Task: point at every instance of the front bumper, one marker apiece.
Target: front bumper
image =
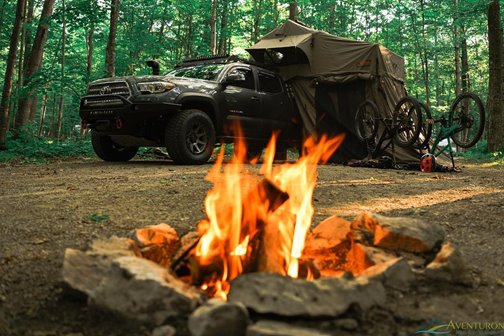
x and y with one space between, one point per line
114 114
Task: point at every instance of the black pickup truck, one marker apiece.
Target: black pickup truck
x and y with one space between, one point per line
189 109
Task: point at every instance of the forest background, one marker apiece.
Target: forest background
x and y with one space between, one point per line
51 49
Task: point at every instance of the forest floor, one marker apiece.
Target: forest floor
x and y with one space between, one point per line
46 208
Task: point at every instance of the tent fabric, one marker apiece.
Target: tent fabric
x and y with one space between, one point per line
325 72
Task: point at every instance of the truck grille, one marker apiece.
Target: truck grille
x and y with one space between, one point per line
103 94
117 88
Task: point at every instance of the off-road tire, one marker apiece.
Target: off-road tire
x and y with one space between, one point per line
108 150
190 137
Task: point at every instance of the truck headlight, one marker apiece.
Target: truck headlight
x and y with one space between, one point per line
155 87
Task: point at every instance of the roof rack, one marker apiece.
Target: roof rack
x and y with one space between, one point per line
217 59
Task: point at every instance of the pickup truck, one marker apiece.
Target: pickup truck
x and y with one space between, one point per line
189 110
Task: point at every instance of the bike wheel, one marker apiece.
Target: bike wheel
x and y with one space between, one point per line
426 129
407 121
468 113
366 120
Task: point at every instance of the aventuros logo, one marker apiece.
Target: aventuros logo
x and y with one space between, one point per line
462 328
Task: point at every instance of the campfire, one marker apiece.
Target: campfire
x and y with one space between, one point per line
256 224
258 247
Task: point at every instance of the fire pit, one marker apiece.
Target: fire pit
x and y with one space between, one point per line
257 253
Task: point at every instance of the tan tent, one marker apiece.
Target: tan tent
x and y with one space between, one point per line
331 76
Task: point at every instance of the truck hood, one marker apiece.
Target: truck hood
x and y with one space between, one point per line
179 81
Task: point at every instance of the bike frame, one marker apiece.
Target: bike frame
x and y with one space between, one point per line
444 132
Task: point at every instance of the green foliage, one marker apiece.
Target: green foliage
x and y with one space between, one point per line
97 218
480 153
29 148
171 30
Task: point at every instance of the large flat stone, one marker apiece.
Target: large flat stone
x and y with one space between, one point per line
217 318
395 273
328 234
274 328
158 243
401 233
449 266
84 271
327 297
141 289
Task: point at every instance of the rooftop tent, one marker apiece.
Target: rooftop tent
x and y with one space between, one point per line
331 76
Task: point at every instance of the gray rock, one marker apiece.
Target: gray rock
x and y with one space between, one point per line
326 297
216 318
84 271
449 266
273 328
402 233
347 324
395 273
166 330
141 289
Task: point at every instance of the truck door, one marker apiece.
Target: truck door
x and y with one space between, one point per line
275 113
242 100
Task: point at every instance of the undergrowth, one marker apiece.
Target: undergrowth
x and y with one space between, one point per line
28 148
480 153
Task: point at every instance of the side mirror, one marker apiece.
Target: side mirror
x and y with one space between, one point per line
235 78
154 66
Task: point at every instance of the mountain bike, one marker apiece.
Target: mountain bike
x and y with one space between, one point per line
464 126
379 133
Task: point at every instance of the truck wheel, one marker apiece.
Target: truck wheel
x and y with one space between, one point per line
108 150
281 155
190 137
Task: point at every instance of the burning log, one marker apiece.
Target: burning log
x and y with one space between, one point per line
265 192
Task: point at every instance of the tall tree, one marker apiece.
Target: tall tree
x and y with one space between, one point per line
111 44
293 10
27 103
223 34
495 91
62 84
456 44
9 72
213 28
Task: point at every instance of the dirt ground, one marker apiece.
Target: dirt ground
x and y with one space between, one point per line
49 207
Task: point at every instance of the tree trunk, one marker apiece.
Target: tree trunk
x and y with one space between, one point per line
43 111
293 10
28 41
188 41
257 18
332 16
2 15
22 46
436 70
495 95
89 59
62 87
223 29
425 59
456 40
465 80
213 28
34 64
110 57
9 72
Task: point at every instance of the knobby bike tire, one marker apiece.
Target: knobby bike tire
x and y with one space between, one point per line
406 123
366 120
467 120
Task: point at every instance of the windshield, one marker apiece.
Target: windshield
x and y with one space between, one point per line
208 72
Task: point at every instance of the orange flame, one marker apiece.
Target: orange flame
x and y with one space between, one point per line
241 222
